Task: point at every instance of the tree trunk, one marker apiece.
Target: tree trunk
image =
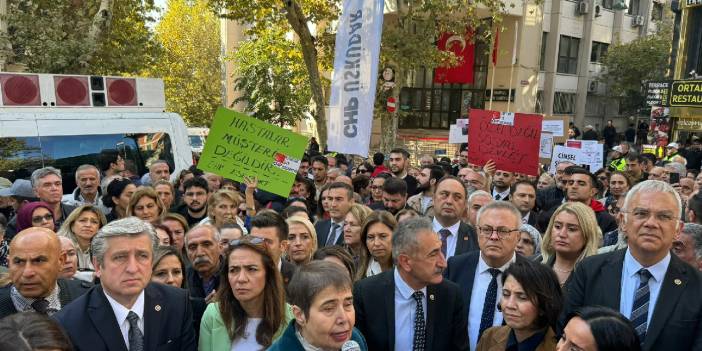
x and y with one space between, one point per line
298 21
101 21
389 121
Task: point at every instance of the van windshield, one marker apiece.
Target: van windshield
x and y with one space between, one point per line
195 140
20 156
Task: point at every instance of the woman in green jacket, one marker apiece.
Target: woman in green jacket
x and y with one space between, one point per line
251 312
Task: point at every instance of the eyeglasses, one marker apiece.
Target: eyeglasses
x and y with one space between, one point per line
45 218
247 240
362 170
643 215
502 232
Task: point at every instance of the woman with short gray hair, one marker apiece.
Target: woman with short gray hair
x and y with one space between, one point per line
321 297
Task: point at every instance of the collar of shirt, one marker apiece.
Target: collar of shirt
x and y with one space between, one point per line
453 229
503 195
525 218
23 304
483 266
405 290
632 267
121 311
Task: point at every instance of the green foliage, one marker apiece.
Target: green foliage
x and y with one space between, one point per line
629 65
190 62
272 78
62 43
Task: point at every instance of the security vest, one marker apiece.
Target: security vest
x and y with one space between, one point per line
618 164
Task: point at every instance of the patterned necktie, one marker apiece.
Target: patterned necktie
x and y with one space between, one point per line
639 311
497 197
332 235
490 301
41 305
444 245
419 323
136 338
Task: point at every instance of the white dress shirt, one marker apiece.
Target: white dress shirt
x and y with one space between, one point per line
503 195
631 281
339 231
477 298
121 313
451 239
405 311
248 341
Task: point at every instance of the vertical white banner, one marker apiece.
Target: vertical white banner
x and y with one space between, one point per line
355 76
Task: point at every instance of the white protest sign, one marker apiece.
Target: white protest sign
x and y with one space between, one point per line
564 153
546 147
458 133
592 152
553 126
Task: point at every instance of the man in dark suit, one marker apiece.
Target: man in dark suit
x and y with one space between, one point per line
34 263
478 273
523 196
501 183
330 231
126 312
394 196
658 292
412 304
202 247
450 199
273 229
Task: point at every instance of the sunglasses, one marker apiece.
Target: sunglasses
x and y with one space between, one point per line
40 219
247 240
362 170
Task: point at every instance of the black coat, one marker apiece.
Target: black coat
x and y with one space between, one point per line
447 314
590 134
91 324
676 323
322 228
70 290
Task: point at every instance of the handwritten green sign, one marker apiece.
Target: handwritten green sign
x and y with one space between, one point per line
239 145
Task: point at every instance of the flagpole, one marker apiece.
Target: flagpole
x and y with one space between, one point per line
514 62
494 66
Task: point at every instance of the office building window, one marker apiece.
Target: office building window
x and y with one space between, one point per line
599 50
540 102
542 59
568 55
633 8
563 103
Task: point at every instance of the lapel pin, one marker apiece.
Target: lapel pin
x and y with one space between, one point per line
677 281
431 297
157 308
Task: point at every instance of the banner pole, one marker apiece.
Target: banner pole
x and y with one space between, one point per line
495 43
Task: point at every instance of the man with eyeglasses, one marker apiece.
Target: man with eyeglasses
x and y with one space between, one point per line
657 291
473 180
194 207
479 273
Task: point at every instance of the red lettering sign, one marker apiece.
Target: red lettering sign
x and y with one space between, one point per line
510 139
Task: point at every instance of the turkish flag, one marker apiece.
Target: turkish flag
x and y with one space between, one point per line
464 50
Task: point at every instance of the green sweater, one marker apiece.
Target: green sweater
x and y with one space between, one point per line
213 333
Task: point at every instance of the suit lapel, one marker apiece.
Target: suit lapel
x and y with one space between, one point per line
611 278
104 320
153 313
470 274
432 296
389 295
672 287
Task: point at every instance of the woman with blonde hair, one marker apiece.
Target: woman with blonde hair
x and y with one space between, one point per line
352 230
80 227
572 235
146 205
223 207
376 236
302 240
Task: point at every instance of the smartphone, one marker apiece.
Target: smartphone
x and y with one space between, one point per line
674 178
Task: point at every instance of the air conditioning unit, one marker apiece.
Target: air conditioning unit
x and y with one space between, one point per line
637 21
592 86
57 90
583 8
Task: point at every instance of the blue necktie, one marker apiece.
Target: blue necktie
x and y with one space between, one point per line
444 244
490 301
136 338
639 311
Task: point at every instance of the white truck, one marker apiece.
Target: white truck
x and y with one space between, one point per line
66 120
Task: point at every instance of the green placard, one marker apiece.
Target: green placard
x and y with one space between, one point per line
239 145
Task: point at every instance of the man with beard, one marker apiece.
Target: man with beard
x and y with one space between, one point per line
473 180
202 247
194 207
319 173
500 185
553 195
456 236
399 164
394 196
422 203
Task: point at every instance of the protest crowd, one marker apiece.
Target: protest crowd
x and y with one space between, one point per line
438 255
